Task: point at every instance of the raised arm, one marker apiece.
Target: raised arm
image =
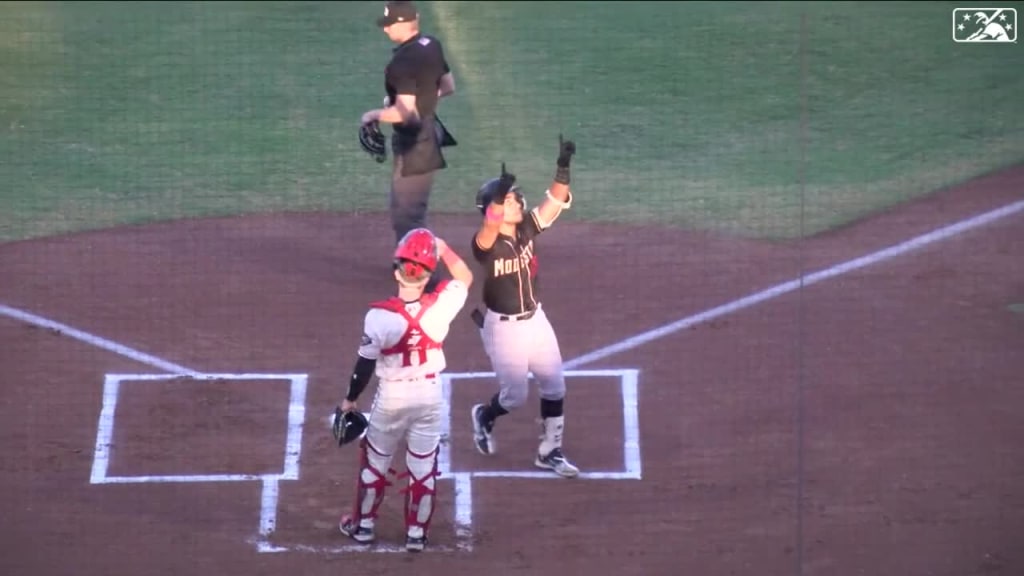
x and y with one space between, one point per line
494 214
558 197
456 265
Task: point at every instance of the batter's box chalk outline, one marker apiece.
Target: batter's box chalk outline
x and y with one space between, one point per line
632 465
292 449
105 430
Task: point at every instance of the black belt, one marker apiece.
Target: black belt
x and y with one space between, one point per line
517 317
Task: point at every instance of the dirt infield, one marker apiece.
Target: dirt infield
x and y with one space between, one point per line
869 424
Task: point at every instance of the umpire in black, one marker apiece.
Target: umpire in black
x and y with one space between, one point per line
416 79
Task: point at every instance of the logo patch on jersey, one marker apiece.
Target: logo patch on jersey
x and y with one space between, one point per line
365 341
423 41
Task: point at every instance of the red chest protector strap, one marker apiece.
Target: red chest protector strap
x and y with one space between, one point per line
414 341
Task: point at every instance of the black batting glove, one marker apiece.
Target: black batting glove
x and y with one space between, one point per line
566 149
505 183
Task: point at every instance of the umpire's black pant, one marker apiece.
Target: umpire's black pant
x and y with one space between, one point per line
410 196
409 199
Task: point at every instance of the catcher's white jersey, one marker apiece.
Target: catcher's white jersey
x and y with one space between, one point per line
405 338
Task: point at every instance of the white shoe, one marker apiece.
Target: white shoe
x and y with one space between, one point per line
415 540
558 463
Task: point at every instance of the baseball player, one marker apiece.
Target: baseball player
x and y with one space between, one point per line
402 343
516 333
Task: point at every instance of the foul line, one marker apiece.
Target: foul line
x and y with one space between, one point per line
623 345
95 341
797 283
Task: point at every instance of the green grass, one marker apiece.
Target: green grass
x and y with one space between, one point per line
685 113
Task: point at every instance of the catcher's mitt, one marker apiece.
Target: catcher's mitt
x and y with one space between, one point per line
348 426
372 140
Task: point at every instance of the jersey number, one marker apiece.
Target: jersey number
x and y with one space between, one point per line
407 357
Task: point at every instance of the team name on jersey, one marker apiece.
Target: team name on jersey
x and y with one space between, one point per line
503 266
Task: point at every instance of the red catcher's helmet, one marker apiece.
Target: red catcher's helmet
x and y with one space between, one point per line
416 256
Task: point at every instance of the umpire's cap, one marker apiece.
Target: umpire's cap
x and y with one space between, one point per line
398 11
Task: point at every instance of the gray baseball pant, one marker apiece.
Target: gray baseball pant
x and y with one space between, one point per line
517 348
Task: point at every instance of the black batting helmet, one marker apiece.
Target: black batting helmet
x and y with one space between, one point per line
486 193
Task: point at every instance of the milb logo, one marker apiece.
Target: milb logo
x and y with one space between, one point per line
984 25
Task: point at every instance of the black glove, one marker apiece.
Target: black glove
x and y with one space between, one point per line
348 426
372 140
566 149
505 183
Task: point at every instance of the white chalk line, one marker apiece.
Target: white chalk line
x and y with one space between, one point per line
268 507
270 482
631 425
797 283
296 417
105 430
96 341
632 462
267 547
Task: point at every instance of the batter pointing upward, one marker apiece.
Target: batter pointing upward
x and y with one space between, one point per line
516 333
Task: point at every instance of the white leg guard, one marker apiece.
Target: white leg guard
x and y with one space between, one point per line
420 493
372 484
551 437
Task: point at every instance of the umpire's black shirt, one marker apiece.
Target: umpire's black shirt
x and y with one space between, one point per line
416 67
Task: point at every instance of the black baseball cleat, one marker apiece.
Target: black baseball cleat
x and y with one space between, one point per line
349 527
483 438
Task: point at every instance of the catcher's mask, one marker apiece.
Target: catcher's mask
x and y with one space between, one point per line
489 189
348 426
416 257
373 141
